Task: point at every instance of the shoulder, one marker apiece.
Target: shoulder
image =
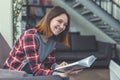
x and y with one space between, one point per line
29 34
30 31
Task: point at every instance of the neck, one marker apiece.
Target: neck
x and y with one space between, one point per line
45 38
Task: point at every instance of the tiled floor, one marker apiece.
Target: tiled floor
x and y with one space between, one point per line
92 74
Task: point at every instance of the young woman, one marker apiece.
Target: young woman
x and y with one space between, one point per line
33 51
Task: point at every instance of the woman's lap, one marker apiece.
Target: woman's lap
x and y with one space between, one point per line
67 78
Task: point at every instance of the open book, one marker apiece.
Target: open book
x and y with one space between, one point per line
86 62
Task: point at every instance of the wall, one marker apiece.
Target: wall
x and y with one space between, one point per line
6 20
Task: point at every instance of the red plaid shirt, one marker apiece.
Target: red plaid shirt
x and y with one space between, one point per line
26 48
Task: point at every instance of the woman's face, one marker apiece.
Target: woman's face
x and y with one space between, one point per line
58 24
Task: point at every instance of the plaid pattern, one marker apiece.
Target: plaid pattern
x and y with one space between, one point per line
26 48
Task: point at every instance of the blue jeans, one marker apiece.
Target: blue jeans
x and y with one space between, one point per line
67 78
30 75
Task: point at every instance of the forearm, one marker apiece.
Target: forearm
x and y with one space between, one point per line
39 72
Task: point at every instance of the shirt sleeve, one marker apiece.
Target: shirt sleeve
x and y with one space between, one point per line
31 51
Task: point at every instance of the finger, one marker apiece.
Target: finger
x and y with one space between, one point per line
69 72
62 74
76 72
80 70
73 73
63 63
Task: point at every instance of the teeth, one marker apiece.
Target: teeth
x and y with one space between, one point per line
57 29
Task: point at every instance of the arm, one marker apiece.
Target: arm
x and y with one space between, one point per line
31 51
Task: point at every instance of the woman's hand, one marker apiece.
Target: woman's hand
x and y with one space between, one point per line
76 71
62 74
62 64
67 73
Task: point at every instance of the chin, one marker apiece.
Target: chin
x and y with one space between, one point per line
56 34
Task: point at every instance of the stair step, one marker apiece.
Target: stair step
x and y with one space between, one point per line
112 34
100 23
97 23
80 7
95 19
109 30
91 16
103 26
78 10
69 2
117 40
88 16
116 37
85 12
76 4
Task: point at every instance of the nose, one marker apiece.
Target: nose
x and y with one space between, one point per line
62 26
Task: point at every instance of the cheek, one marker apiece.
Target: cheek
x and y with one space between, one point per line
51 25
64 28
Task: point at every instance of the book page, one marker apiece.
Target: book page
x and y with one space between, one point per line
86 62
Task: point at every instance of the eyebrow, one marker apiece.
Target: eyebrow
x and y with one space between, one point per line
63 20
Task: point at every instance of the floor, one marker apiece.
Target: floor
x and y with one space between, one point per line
92 74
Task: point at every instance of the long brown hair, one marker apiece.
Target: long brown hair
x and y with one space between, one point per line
44 25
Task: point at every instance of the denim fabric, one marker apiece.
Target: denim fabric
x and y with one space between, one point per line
30 75
67 78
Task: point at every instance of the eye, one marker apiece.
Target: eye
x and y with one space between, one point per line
59 21
65 24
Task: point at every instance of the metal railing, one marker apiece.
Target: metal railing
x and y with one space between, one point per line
110 6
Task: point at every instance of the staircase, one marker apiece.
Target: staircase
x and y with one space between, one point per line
94 13
99 17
